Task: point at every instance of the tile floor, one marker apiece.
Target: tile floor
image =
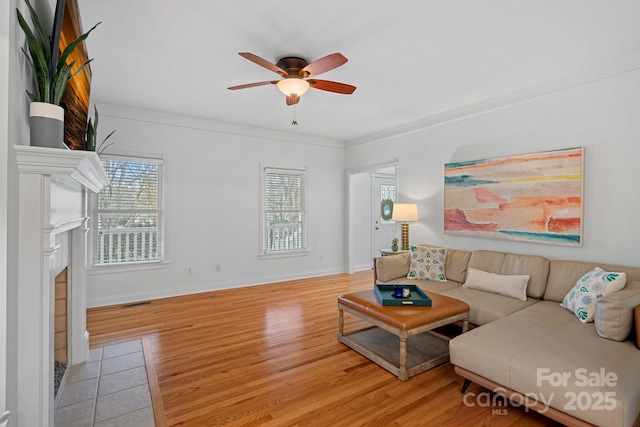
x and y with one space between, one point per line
110 389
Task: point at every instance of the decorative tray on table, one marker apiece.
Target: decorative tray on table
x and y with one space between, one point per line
393 295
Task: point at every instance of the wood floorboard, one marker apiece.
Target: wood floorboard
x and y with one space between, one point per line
268 355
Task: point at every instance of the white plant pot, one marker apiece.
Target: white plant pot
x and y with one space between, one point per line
46 122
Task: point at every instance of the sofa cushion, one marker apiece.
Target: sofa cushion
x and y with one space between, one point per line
491 261
455 265
513 285
490 349
522 350
487 307
393 266
614 313
427 263
564 274
636 316
535 266
581 299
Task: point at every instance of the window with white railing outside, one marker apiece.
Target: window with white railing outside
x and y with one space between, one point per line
127 215
283 208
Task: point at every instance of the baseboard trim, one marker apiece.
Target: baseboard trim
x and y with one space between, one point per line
362 267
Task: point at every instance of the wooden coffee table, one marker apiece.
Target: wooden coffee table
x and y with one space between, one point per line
417 349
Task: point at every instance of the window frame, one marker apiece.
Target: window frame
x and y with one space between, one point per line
158 159
263 253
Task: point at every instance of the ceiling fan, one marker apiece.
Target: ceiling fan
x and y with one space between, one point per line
296 73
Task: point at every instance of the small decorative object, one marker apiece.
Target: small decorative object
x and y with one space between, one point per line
414 295
51 75
394 244
401 291
386 208
92 135
398 291
46 123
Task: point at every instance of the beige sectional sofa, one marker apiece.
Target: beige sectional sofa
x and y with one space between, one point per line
536 352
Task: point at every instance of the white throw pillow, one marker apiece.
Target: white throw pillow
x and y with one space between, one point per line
509 285
581 299
427 263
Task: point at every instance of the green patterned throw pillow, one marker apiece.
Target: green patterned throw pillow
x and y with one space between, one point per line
427 263
581 299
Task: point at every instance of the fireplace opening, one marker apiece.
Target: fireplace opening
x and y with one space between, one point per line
60 351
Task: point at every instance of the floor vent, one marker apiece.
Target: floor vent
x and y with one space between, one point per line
135 304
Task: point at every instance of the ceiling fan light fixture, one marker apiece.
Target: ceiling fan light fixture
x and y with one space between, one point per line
293 86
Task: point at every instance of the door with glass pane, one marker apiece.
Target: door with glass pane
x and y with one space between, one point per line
384 229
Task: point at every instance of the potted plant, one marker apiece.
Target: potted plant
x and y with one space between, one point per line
394 244
46 117
92 135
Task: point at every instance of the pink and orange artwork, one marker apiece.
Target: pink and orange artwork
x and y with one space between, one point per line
534 197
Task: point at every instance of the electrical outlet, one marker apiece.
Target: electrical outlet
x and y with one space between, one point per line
189 271
218 268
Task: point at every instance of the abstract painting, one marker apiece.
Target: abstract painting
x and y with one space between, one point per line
534 197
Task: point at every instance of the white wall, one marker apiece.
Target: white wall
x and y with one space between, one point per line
602 115
360 220
212 204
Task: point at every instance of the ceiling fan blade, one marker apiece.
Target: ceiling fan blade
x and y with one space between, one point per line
292 99
273 82
263 62
323 65
332 86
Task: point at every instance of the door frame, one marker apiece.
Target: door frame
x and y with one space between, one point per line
349 214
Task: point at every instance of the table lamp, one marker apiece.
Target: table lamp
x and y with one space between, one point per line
405 212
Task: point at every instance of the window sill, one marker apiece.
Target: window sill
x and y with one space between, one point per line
284 254
127 268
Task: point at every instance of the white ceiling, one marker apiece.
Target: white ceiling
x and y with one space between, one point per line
409 59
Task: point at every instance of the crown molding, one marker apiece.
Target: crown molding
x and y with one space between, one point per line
617 66
138 115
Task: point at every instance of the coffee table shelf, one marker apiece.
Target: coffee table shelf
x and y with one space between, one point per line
401 338
424 351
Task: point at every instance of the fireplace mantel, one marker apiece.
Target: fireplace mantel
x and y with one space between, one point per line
54 185
81 166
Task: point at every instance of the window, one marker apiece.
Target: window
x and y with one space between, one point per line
284 220
127 215
387 199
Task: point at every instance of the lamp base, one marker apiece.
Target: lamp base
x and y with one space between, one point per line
405 236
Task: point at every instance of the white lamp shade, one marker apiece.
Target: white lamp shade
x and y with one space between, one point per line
404 212
293 86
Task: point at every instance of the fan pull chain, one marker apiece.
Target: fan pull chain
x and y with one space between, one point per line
295 119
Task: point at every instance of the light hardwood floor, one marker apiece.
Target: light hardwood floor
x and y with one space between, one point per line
268 355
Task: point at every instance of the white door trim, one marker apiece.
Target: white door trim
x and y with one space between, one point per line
349 214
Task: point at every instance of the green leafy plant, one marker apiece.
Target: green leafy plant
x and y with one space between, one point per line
49 87
92 135
394 242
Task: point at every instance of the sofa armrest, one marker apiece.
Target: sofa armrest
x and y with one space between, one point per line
636 317
391 267
614 314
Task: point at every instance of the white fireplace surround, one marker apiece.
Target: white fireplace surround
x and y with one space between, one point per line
54 185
